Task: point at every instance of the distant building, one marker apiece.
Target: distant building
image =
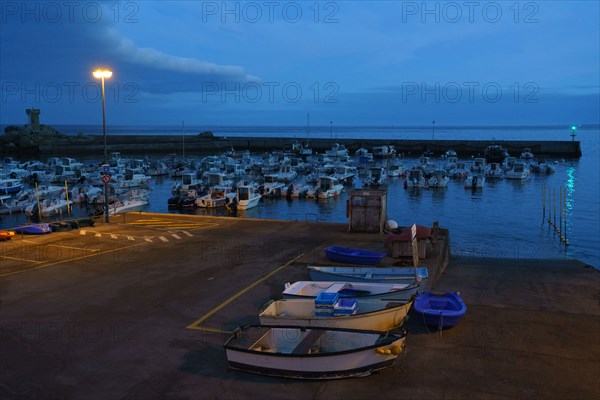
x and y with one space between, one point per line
33 115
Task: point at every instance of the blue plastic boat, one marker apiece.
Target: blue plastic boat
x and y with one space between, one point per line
353 256
440 310
33 229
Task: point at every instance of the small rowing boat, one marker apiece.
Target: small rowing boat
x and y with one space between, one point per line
353 256
367 274
440 310
312 353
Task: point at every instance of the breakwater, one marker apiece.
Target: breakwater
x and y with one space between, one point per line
201 145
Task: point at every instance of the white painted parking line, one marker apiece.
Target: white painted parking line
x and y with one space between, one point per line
82 232
187 233
164 239
148 239
130 238
114 236
98 235
176 236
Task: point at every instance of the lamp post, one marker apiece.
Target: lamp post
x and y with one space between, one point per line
102 74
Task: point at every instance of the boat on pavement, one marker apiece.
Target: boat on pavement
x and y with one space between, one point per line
312 353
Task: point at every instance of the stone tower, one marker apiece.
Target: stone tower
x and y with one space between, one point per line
34 118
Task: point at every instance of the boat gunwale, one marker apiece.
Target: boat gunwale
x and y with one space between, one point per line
395 334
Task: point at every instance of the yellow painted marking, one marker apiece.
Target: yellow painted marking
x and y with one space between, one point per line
65 247
235 296
82 232
207 329
71 259
21 259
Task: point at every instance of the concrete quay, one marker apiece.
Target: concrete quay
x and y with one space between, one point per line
140 308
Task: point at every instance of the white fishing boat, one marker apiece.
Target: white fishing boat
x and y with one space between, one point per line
367 274
312 353
218 196
494 171
375 315
327 187
395 169
527 154
519 171
344 174
478 165
415 178
475 182
9 205
247 197
361 290
286 173
49 207
272 187
128 205
296 190
337 150
438 180
460 171
376 176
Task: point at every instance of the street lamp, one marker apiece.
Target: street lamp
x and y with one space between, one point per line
102 74
573 129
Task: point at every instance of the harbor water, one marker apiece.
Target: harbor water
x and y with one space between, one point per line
504 219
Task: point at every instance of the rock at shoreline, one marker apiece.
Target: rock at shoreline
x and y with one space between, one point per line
24 138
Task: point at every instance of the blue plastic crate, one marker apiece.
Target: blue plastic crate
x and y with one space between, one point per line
346 306
326 299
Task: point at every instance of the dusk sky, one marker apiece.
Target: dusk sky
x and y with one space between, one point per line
271 63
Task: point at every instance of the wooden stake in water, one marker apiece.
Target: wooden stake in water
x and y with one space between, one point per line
67 198
554 201
560 211
565 208
543 202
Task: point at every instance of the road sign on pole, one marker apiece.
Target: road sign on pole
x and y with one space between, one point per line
106 178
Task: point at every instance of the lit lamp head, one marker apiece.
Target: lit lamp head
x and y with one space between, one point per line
102 73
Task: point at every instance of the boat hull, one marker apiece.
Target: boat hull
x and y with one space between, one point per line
320 358
368 274
364 291
353 256
440 310
301 313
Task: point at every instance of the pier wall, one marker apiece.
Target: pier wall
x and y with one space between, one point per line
196 145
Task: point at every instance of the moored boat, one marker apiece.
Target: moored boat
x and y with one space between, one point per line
33 229
367 274
353 256
312 353
361 290
377 315
440 310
